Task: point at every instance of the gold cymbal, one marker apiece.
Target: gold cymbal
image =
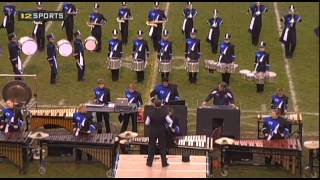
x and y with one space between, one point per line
123 141
224 140
128 135
311 144
38 135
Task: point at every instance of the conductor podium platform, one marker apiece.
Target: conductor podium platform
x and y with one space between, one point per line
134 166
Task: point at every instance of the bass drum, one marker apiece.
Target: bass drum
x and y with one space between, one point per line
28 45
64 48
90 43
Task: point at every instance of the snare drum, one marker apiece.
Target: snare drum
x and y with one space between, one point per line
29 46
271 76
164 67
64 47
231 68
90 43
243 73
137 65
192 67
210 64
250 76
259 78
114 64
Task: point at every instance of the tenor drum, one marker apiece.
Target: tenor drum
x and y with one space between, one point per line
164 66
210 64
114 64
250 76
137 65
259 78
271 76
29 46
243 73
64 47
231 68
90 43
192 66
222 67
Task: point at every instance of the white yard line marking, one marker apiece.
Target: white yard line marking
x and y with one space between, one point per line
28 59
154 66
287 67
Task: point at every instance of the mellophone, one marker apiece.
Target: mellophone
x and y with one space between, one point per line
258 77
100 146
15 146
284 151
60 117
211 65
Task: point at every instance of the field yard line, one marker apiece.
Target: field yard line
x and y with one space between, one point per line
28 59
287 67
154 73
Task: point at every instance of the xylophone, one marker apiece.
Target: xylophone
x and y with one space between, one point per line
60 117
283 151
100 146
111 108
15 146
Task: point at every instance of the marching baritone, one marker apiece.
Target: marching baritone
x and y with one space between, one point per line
188 13
289 35
261 66
11 119
115 54
192 54
214 33
227 56
156 18
79 55
140 54
165 52
221 96
9 11
70 11
255 26
40 28
165 92
124 15
14 55
280 101
52 58
96 22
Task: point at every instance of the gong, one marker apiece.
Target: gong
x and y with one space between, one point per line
18 91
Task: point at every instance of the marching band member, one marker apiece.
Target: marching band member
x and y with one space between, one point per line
227 55
124 15
214 33
83 125
221 96
188 13
165 52
52 58
174 130
280 101
115 52
192 52
289 36
165 92
155 19
261 64
102 96
256 11
70 11
11 119
79 55
140 52
275 127
39 31
14 53
134 97
96 21
9 11
157 119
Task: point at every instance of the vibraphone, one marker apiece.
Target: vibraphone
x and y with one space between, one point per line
100 146
287 152
15 146
293 119
59 117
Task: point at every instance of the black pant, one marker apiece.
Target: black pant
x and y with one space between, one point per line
260 87
156 37
16 71
155 134
214 42
54 73
69 30
255 34
96 32
188 27
226 77
106 121
115 74
193 77
80 72
126 119
290 46
79 155
124 32
9 28
40 37
164 75
140 76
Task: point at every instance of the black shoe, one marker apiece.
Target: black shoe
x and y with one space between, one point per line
165 165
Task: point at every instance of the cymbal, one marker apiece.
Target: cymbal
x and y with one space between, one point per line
224 140
311 144
123 141
128 135
38 135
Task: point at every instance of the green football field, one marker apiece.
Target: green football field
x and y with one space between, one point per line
304 69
